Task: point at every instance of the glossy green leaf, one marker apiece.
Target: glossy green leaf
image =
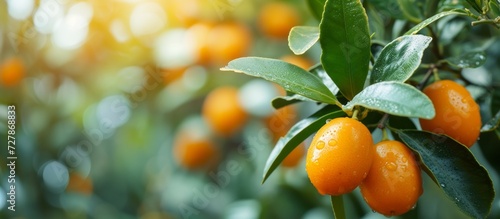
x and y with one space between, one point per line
492 124
297 134
468 60
319 71
432 19
400 58
291 77
410 10
388 7
283 101
345 41
302 38
394 98
316 7
455 170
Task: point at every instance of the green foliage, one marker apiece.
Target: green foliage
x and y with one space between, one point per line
412 51
345 41
399 59
453 168
381 97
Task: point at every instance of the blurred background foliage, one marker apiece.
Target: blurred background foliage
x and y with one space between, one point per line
111 108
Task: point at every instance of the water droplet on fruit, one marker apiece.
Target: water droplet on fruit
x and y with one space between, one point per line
332 142
391 166
320 145
413 207
404 159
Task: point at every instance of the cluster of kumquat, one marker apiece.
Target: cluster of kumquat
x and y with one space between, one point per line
342 155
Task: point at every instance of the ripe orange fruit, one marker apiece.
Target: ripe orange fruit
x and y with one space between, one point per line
457 114
223 111
294 157
277 18
228 41
12 72
298 61
340 156
194 152
394 183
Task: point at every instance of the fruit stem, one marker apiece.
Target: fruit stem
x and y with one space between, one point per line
338 207
381 123
355 114
426 77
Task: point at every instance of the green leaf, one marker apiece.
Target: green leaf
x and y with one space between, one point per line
432 19
492 124
291 77
410 10
345 41
302 38
388 7
394 98
283 101
319 71
338 207
476 4
399 59
455 170
297 134
494 8
468 60
316 7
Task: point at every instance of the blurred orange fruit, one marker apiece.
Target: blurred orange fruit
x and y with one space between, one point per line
277 18
12 71
294 157
170 75
281 121
223 111
79 184
340 156
457 114
195 152
394 183
200 31
298 61
228 41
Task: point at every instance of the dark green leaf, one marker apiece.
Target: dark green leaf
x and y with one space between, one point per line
492 124
455 170
302 38
375 22
476 4
430 20
388 7
316 7
489 143
280 102
400 58
394 98
410 10
319 71
468 60
494 8
297 134
345 41
291 77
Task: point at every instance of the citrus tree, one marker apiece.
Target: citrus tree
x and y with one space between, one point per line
400 68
